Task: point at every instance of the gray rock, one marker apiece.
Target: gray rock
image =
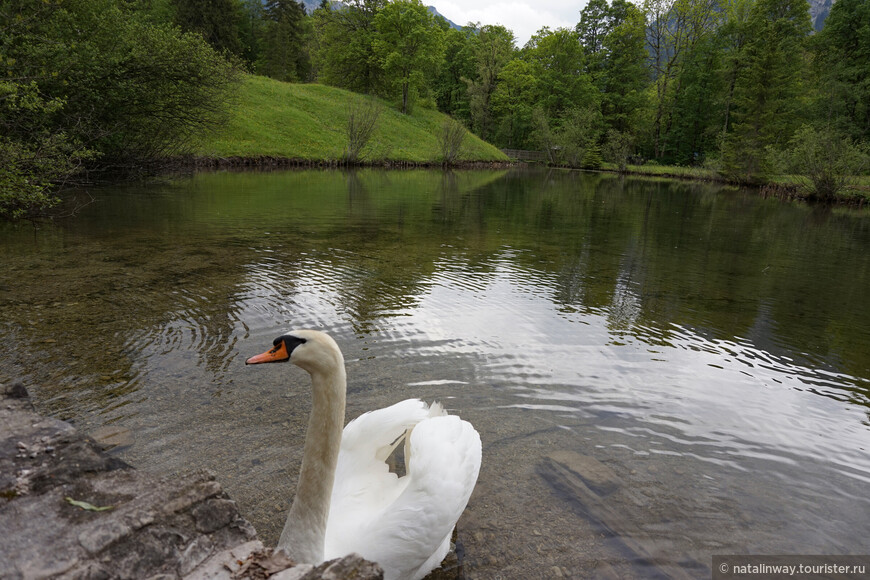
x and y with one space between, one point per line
124 524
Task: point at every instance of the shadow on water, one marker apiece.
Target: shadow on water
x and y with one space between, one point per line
704 351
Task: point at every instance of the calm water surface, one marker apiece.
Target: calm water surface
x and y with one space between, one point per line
707 349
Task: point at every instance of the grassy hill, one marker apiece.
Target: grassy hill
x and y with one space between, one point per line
302 121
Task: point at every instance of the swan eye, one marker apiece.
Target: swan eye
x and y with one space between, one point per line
290 341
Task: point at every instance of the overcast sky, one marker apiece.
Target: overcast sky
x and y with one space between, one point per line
524 17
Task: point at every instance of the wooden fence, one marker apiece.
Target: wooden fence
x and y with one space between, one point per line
524 155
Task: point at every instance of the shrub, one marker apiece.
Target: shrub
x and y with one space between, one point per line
109 85
618 148
825 161
450 141
362 120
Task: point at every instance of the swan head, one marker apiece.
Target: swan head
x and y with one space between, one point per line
311 350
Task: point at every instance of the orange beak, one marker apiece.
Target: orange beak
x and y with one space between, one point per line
277 354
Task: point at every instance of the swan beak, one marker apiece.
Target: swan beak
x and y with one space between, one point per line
277 354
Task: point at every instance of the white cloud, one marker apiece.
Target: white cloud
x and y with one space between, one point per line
523 18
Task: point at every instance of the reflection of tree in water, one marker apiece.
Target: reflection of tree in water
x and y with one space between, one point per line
650 255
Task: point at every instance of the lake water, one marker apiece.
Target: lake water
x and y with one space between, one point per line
705 351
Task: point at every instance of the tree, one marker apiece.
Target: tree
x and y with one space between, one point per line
216 20
88 79
697 120
593 26
732 37
252 30
451 90
409 45
283 54
842 52
344 37
493 48
512 101
674 28
558 64
450 140
618 148
577 137
623 77
767 92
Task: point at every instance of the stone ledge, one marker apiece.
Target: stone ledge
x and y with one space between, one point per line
162 528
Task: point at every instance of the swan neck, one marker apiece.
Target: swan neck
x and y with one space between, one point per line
305 530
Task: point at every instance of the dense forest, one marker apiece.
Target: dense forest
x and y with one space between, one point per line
743 87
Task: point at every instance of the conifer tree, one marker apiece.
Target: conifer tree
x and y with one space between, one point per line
216 20
284 55
767 92
843 65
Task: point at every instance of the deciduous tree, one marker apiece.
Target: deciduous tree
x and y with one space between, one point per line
493 48
409 45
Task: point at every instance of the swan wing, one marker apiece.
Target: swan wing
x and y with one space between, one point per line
363 482
409 535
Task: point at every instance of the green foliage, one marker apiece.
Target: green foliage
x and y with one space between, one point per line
110 84
842 52
622 73
767 89
450 86
283 53
218 22
826 162
696 123
512 101
618 147
493 48
409 45
594 25
543 136
675 27
577 138
592 157
345 54
558 63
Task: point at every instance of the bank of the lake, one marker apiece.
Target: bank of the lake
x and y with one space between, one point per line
278 124
787 187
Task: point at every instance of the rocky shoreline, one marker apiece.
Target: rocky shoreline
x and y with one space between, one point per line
69 510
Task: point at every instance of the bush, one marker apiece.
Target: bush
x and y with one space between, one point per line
109 85
825 161
362 120
618 148
592 158
578 137
450 141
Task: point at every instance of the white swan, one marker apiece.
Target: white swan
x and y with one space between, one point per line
402 523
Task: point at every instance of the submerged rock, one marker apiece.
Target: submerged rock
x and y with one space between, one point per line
69 510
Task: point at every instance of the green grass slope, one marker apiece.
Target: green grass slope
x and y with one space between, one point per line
302 121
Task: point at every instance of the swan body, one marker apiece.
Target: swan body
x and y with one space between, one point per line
347 500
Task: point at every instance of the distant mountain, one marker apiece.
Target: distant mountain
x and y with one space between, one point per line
452 24
819 10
